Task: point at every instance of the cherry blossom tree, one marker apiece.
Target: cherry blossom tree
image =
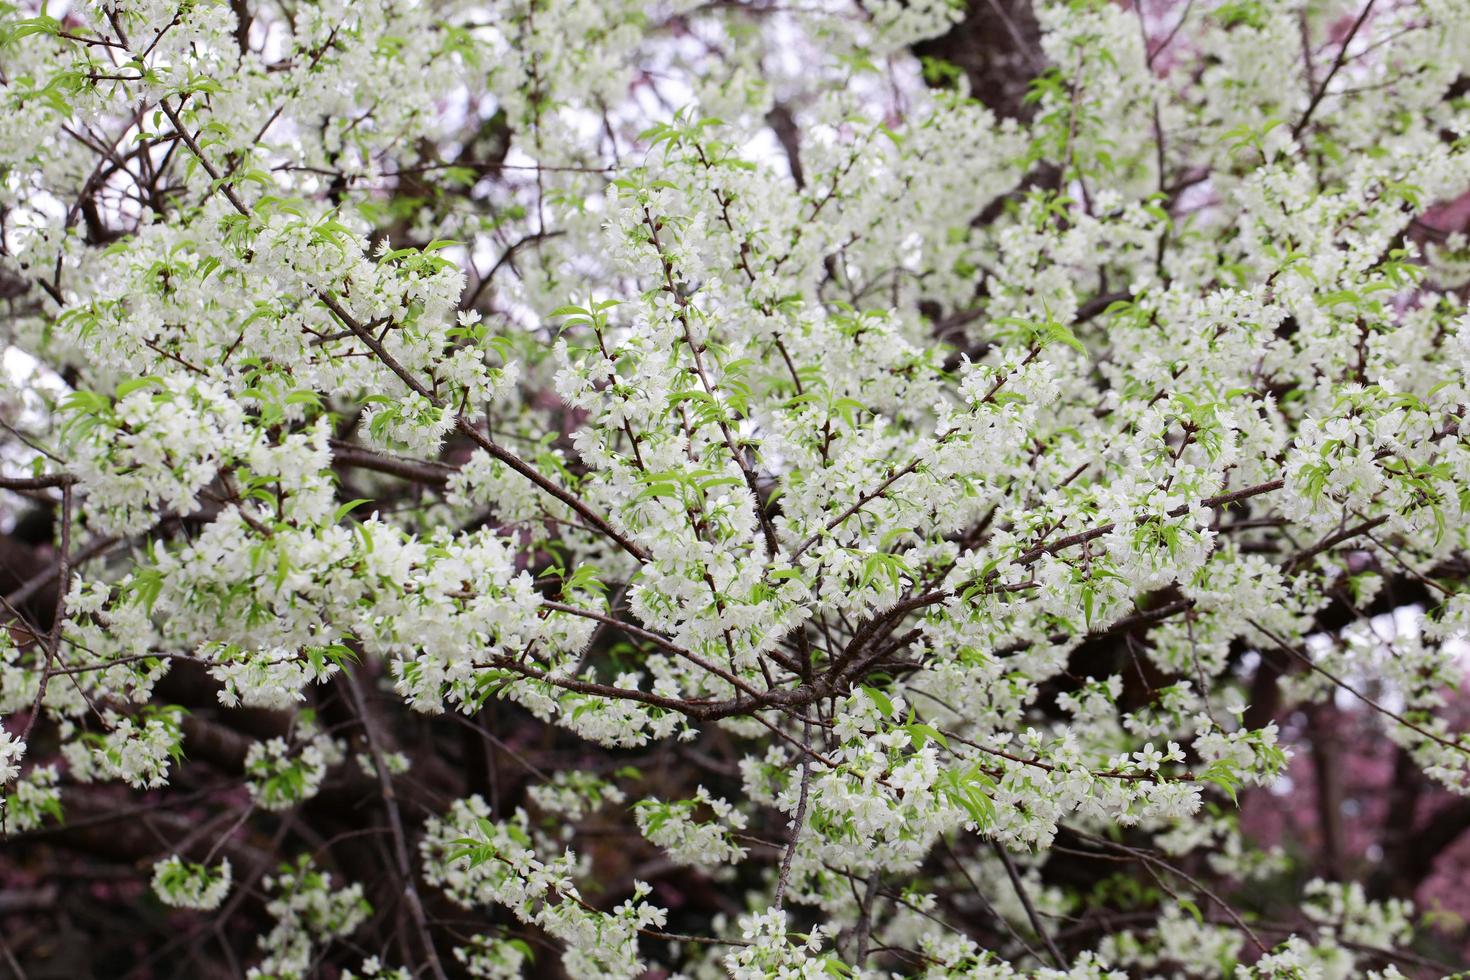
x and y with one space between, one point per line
665 488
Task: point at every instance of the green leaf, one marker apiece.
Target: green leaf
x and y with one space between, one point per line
348 508
1222 773
126 388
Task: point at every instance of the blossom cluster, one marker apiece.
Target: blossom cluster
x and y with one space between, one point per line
640 449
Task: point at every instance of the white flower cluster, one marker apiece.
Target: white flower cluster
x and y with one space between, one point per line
138 750
573 794
770 950
373 967
12 750
858 489
29 800
478 861
309 911
688 839
281 775
186 885
494 959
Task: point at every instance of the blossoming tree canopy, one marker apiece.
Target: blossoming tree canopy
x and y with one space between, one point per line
615 488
